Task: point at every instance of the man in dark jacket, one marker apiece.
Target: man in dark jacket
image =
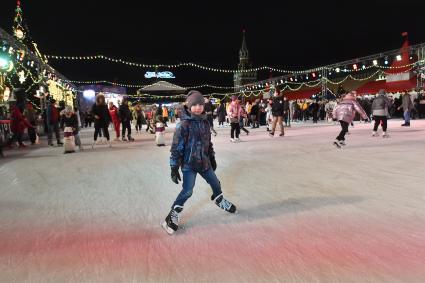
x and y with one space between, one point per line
277 112
125 117
407 105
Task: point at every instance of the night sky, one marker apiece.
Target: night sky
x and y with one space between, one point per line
298 35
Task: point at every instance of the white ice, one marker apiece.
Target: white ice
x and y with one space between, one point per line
308 212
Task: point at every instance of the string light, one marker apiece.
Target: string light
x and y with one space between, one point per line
207 68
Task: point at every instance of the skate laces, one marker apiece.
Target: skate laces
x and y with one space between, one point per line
224 204
175 216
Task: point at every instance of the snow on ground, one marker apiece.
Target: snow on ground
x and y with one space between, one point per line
308 212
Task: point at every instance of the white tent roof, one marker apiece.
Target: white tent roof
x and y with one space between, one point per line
162 86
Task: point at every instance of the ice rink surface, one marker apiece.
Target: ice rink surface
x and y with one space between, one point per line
308 212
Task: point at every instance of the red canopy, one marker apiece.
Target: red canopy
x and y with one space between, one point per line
375 86
301 94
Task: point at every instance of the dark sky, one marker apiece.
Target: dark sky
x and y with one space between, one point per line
287 34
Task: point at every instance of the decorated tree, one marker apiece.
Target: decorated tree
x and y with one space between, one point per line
26 74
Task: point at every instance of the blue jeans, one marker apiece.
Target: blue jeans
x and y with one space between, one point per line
189 178
407 117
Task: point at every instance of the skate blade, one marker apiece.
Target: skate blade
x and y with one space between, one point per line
336 145
167 229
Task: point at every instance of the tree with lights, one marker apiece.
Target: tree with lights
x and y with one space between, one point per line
26 74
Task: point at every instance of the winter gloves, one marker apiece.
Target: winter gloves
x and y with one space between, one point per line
175 175
213 163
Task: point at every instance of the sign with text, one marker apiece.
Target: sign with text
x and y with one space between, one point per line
160 75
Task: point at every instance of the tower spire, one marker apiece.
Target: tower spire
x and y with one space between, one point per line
243 52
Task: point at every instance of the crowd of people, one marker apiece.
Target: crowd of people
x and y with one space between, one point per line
275 113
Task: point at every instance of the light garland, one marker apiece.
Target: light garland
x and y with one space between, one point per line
184 64
141 86
234 71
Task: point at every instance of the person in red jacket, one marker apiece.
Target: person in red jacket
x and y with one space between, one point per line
113 111
18 125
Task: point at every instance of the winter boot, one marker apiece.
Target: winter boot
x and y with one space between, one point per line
171 223
224 204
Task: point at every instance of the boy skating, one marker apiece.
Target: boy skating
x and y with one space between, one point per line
193 152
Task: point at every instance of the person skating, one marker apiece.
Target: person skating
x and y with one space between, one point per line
101 118
113 112
221 113
193 152
407 105
277 112
18 124
53 123
269 116
344 112
380 113
209 112
286 112
31 117
234 113
70 119
242 120
125 117
138 113
255 112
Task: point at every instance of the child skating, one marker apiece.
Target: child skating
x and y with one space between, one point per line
344 112
193 152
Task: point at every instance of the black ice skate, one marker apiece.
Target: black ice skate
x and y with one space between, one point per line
224 204
171 223
336 144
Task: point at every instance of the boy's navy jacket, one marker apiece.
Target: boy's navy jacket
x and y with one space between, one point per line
192 147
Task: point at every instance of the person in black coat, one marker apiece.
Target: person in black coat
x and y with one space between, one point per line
101 118
221 113
125 117
277 112
286 112
314 109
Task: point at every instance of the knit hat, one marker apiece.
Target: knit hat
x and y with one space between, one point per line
194 97
381 92
234 97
